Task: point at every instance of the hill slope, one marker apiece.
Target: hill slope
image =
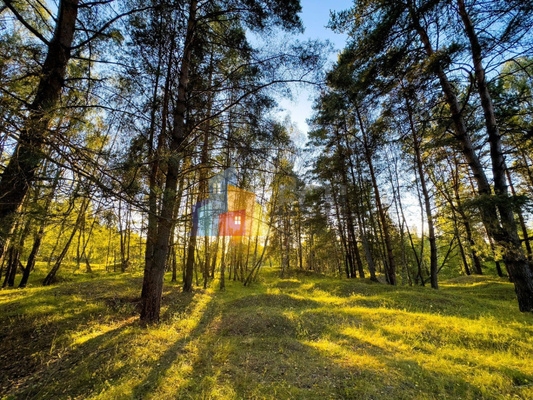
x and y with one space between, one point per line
306 337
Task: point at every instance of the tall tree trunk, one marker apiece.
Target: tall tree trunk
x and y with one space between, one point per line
299 238
202 195
509 241
258 262
191 250
223 265
154 273
364 230
459 208
18 246
340 227
154 153
488 213
460 243
390 269
522 222
20 172
427 200
38 237
505 234
402 221
214 256
11 266
50 278
353 250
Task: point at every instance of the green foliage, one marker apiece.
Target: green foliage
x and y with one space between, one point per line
516 203
306 337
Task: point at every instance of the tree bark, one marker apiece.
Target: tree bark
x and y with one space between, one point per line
154 153
364 230
461 133
427 201
154 273
390 268
20 172
37 239
50 278
508 240
505 234
522 222
340 227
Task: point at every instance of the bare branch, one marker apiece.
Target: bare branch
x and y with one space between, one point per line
107 25
21 19
95 3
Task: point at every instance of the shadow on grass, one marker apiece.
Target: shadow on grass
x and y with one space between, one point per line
288 284
471 301
284 301
39 324
395 374
238 344
28 343
77 361
268 355
159 368
230 345
81 371
258 355
35 301
441 362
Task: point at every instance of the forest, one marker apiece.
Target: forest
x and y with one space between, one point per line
145 167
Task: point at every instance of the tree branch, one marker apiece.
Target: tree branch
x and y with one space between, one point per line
21 19
107 25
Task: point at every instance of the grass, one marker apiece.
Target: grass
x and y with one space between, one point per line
306 337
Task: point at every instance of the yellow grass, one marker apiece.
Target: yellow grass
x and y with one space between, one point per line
306 337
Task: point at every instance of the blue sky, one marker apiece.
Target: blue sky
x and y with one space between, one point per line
315 17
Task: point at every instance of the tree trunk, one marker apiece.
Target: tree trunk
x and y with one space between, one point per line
50 278
28 155
460 243
154 273
340 227
214 256
461 134
11 267
15 251
458 207
155 150
427 201
37 239
191 250
505 234
352 250
390 269
364 230
522 222
513 255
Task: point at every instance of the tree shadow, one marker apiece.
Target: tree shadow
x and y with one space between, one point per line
275 363
264 300
160 367
254 346
69 374
436 374
39 329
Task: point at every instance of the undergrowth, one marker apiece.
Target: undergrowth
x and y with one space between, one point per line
305 337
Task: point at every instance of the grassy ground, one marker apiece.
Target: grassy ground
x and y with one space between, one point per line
301 338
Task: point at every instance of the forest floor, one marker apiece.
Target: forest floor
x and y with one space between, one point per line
306 337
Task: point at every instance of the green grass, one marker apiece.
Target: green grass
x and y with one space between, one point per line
306 337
